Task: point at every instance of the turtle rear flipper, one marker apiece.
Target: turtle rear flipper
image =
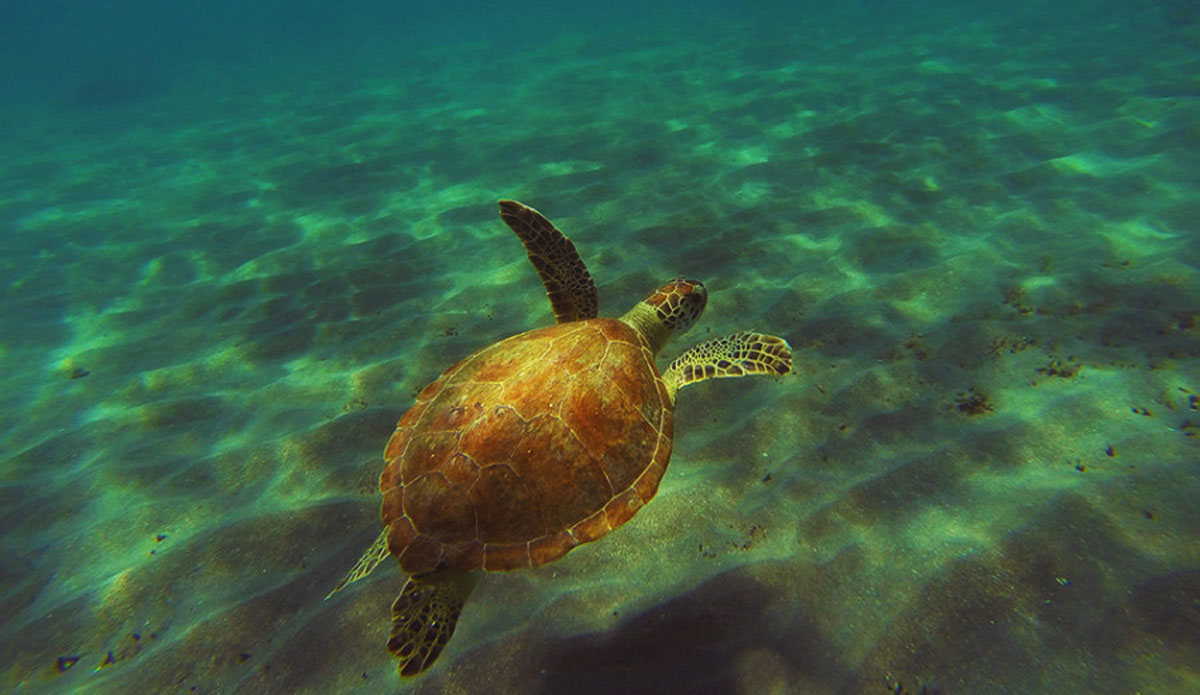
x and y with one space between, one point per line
740 354
369 561
424 616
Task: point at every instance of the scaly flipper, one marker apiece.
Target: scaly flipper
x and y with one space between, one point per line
740 354
568 283
369 561
424 616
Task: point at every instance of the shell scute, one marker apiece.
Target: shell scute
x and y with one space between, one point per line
579 350
400 534
552 547
498 557
468 554
616 331
647 485
494 435
506 359
442 509
623 507
626 459
452 418
643 393
393 503
532 395
582 412
570 490
591 528
422 554
506 506
390 477
461 470
425 453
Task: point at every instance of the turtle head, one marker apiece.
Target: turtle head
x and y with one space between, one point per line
670 309
678 303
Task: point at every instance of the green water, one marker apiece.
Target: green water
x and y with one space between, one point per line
979 238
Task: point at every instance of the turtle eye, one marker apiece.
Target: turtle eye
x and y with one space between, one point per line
679 303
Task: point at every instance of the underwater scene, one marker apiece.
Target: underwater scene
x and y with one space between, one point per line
239 239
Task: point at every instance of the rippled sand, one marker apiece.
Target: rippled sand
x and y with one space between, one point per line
980 478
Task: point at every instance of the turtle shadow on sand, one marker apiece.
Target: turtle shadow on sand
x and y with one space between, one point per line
724 636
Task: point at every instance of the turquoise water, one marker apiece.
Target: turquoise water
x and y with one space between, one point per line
238 241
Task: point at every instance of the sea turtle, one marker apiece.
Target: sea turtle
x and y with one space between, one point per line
538 443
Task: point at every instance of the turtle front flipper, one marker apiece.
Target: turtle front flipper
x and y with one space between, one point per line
568 283
369 561
740 354
424 616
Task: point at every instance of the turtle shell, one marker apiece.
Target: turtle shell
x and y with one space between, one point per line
526 449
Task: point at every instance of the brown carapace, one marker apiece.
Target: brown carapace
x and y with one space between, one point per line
540 442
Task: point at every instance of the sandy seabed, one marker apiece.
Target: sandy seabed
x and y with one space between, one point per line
981 476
